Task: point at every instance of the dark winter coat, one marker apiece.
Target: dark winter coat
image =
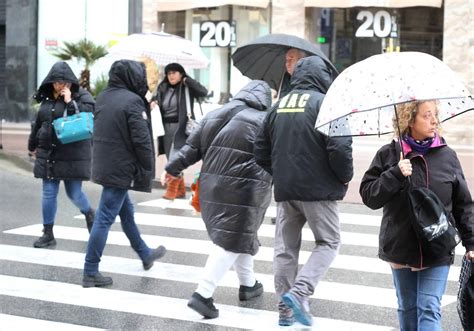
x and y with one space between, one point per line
306 165
196 90
383 185
234 191
53 159
123 146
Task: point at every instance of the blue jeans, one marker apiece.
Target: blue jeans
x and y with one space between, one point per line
113 202
419 297
50 195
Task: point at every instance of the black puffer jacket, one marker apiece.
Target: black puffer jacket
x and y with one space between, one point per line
306 165
53 159
383 185
123 147
234 191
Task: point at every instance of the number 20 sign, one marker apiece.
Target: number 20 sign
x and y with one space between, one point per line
217 34
381 24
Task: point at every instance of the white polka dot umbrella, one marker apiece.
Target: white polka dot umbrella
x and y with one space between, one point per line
161 47
361 99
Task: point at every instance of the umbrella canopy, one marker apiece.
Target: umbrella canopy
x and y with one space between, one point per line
161 47
264 57
362 99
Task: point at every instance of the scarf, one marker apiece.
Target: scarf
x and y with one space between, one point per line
419 146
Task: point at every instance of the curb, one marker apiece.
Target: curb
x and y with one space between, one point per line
24 163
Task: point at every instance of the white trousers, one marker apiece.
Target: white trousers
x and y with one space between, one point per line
218 263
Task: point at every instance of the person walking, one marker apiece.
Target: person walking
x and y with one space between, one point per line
123 160
175 97
54 161
419 275
310 173
234 191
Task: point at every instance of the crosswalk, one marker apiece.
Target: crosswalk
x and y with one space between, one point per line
356 294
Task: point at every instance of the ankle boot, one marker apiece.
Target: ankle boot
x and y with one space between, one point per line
47 239
90 219
181 194
171 189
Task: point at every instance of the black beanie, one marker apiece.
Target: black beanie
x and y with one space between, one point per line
175 67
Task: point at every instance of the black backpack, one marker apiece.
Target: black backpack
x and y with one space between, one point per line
431 221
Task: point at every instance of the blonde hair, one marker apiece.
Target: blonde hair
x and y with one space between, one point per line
406 113
152 72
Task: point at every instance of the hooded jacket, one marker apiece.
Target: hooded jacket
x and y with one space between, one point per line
53 159
234 191
123 145
306 165
196 90
383 185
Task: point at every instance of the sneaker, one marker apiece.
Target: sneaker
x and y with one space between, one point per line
285 317
96 281
249 292
300 311
155 255
205 307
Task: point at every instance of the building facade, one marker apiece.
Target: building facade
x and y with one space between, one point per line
346 30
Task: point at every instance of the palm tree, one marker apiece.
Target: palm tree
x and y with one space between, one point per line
82 50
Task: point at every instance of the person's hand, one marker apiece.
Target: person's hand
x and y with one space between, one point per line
470 255
153 104
405 166
66 93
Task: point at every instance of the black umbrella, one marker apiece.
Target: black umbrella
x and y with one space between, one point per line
264 57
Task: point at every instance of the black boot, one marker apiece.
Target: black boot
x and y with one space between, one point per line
90 219
47 239
96 281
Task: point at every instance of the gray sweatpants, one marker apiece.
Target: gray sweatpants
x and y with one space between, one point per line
323 220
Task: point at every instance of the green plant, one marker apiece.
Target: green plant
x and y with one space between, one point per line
99 85
84 50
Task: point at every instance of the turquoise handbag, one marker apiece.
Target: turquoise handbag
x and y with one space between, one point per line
76 127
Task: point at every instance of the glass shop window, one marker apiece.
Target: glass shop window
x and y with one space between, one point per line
350 35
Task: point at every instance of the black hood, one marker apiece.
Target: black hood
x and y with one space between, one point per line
60 71
312 73
256 94
130 75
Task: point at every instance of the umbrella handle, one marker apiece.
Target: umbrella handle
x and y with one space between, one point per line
398 128
281 83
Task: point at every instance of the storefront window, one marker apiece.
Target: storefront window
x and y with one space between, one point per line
349 35
227 27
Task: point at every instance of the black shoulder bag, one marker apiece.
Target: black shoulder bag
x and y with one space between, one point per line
431 221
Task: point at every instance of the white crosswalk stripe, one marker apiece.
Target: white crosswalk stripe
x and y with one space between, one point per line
360 295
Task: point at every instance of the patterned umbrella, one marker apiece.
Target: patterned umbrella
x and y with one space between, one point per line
361 101
161 47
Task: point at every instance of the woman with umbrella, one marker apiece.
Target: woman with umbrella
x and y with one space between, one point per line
175 97
419 275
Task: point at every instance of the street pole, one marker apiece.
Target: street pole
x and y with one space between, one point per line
1 133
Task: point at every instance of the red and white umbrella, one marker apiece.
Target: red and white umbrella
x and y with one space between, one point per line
161 47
